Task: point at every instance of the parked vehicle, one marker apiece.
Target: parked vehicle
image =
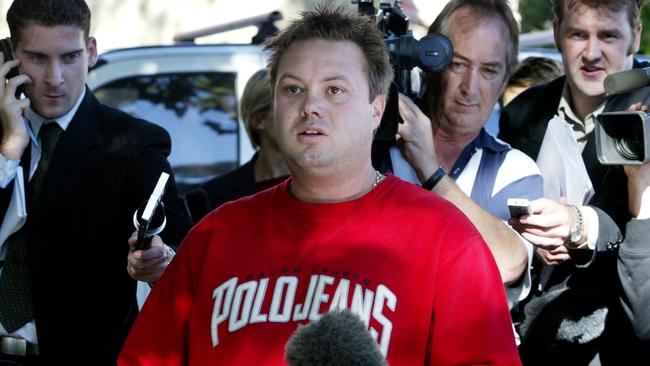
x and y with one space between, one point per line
190 90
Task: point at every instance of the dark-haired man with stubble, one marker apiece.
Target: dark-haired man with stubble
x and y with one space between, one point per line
578 315
67 288
336 235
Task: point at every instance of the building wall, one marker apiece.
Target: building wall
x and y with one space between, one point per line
128 23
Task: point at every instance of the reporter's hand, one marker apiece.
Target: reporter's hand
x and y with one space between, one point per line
147 265
638 187
553 257
14 133
548 226
415 138
637 107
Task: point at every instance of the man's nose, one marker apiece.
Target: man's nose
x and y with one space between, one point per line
593 49
54 74
312 105
469 82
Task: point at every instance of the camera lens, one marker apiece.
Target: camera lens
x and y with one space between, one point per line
434 51
628 142
629 149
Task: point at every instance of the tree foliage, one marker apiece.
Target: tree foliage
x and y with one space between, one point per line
535 15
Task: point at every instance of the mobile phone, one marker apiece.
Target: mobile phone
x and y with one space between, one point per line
8 52
518 207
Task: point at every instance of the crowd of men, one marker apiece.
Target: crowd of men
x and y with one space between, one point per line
420 248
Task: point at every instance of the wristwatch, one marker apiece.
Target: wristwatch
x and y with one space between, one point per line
577 229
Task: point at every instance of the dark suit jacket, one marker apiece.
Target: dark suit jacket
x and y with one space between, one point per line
227 187
104 166
235 184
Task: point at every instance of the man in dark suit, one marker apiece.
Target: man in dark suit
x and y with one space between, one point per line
579 241
66 296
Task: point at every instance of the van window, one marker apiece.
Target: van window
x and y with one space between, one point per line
199 110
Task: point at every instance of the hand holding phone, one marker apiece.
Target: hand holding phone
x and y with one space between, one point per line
518 207
8 52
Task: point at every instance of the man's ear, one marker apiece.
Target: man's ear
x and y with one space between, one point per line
92 51
556 35
636 39
378 106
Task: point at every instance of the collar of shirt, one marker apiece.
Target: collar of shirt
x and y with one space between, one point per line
483 141
580 128
36 120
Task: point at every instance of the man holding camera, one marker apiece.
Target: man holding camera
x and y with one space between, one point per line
69 191
336 235
596 39
483 173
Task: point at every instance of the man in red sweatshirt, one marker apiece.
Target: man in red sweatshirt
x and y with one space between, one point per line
336 235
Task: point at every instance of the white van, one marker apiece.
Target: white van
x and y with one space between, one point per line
190 90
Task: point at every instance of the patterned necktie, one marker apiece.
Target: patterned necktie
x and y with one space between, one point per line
15 291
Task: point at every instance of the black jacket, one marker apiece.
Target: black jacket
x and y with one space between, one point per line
104 166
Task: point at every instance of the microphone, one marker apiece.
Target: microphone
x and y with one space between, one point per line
337 338
198 204
626 81
149 219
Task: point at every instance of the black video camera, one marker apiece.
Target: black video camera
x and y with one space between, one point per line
624 137
432 53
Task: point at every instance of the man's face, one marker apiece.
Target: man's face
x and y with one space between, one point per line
475 78
323 119
57 61
594 43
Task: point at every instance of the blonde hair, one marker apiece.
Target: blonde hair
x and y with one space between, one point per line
255 99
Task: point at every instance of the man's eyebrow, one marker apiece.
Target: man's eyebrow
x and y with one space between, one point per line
574 30
611 31
70 53
600 31
288 75
337 77
33 53
496 64
458 55
37 53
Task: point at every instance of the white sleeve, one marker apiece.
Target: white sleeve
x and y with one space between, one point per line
16 214
592 233
7 171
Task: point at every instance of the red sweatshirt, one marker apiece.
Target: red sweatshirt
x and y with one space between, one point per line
408 262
